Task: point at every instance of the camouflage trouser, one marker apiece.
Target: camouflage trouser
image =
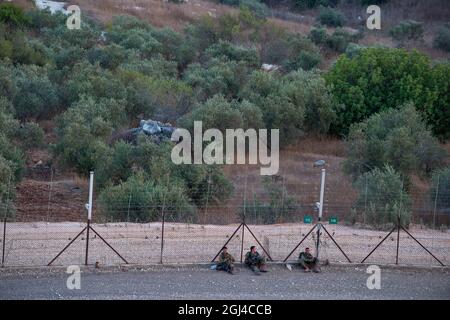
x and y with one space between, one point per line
256 263
225 266
313 265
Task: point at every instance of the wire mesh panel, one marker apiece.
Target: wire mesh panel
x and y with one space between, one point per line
274 214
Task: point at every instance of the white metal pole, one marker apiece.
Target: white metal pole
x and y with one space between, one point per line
91 190
322 190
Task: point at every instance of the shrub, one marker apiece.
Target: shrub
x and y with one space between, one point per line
280 113
318 35
31 135
234 53
140 200
353 50
306 60
279 209
217 113
259 9
12 15
108 57
68 57
442 38
380 78
310 4
36 95
395 137
330 17
302 54
39 19
339 40
14 155
382 198
84 129
216 77
407 30
439 193
437 113
308 91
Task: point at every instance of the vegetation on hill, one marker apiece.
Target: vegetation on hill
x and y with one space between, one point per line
102 79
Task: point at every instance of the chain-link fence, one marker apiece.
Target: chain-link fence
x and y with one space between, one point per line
274 214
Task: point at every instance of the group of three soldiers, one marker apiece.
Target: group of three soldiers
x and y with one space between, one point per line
257 263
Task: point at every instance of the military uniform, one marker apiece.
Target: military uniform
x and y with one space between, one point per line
255 261
306 260
225 262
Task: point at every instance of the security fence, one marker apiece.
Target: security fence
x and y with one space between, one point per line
278 218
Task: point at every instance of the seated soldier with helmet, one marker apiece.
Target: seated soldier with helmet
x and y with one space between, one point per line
225 261
308 262
255 261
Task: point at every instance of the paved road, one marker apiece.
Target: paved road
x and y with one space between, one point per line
200 283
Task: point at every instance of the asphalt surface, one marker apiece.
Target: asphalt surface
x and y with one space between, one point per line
201 283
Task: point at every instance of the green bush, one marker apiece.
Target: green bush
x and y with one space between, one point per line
217 76
353 50
36 96
408 30
108 57
234 53
140 200
31 135
91 80
442 38
311 4
308 91
217 113
382 198
380 78
68 57
395 137
12 15
318 35
84 129
330 17
39 19
306 60
339 40
259 9
439 193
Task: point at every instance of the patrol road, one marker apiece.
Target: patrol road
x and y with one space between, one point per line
198 282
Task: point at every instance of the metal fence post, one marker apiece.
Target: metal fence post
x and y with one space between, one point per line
162 236
4 241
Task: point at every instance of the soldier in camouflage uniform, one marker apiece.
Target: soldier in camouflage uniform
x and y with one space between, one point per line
225 261
308 262
255 261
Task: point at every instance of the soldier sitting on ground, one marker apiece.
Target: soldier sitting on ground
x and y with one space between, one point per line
308 262
225 261
255 261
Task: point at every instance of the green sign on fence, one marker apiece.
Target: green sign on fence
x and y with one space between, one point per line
333 220
307 219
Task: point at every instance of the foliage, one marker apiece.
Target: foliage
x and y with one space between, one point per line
407 30
12 15
382 195
442 38
279 207
330 17
379 78
139 200
398 138
439 193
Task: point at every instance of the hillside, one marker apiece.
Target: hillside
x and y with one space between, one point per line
167 71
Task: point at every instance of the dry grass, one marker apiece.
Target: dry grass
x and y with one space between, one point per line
297 173
156 12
